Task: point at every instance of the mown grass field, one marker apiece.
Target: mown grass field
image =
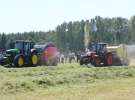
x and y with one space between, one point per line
67 82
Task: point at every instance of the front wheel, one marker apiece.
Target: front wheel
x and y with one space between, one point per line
19 61
81 61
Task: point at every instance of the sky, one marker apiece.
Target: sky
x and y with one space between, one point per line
44 15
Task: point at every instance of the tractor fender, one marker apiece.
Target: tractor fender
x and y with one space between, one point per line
33 50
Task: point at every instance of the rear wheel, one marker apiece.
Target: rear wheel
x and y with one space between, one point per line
97 61
34 59
109 59
19 61
49 62
55 62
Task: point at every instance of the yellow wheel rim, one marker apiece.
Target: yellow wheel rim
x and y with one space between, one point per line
20 61
34 59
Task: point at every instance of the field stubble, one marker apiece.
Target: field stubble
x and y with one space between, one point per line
67 82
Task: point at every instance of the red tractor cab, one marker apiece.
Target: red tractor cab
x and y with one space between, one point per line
48 54
97 56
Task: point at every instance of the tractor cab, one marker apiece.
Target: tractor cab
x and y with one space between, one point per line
99 48
24 46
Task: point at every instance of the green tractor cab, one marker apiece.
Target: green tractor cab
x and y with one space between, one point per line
22 54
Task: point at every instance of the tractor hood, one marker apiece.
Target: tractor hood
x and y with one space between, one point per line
12 50
89 53
5 59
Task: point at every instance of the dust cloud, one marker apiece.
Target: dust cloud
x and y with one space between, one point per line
131 53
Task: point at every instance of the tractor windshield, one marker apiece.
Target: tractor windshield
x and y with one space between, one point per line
27 46
98 47
93 47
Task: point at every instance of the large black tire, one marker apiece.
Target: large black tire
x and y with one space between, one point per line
116 60
49 62
55 62
81 61
19 61
34 59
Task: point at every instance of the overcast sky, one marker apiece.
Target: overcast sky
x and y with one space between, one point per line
44 15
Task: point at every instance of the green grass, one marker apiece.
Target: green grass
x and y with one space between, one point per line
31 80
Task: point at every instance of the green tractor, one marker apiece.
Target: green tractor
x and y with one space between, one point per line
22 54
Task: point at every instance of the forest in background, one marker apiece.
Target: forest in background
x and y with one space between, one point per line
69 36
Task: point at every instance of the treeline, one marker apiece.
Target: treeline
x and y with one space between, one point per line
70 36
6 40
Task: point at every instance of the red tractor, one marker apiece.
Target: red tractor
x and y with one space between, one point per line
97 56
